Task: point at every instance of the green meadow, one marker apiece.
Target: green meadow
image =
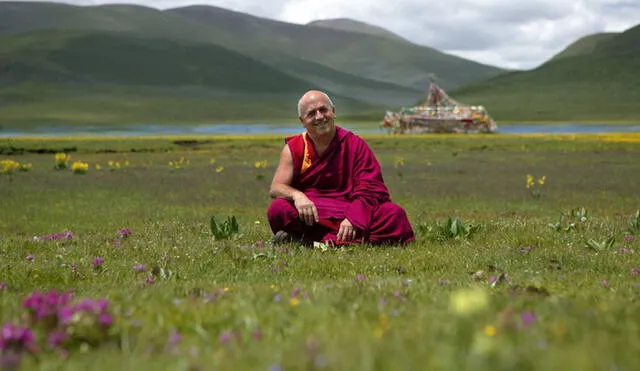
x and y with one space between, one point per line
502 276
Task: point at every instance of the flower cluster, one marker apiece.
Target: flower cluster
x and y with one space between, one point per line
57 320
9 166
80 167
533 185
62 160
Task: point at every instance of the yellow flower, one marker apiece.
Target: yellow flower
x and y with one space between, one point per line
542 180
80 167
490 330
469 301
260 164
219 169
530 181
294 302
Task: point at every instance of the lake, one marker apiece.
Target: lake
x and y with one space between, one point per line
284 129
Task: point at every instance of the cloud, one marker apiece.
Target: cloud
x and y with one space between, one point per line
506 33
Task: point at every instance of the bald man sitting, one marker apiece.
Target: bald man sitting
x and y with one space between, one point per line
328 186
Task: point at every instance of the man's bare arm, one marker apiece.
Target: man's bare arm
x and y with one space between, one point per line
281 187
281 183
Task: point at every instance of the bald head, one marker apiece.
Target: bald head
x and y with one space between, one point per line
313 96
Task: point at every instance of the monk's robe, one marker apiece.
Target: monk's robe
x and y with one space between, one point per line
344 182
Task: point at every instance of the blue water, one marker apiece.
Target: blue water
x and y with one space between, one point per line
267 129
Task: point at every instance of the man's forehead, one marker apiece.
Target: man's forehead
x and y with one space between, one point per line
315 102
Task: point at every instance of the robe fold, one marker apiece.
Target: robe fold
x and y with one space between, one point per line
344 182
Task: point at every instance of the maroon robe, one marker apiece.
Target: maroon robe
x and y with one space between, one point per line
344 182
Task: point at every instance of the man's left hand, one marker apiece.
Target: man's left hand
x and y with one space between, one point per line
346 232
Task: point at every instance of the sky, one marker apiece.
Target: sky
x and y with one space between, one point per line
519 34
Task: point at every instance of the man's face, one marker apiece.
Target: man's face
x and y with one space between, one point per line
317 116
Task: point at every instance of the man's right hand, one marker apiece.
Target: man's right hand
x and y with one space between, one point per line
306 209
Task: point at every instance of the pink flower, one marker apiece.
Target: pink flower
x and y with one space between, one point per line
97 262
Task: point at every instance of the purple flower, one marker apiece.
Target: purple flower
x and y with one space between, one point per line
605 283
256 334
139 267
57 338
225 337
635 271
30 257
361 277
3 285
174 338
14 338
629 238
97 262
44 307
124 232
527 318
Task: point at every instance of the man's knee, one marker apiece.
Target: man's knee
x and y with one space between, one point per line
280 213
392 211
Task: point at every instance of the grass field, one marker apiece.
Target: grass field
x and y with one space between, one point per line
531 282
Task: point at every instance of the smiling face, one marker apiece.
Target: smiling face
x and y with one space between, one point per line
317 114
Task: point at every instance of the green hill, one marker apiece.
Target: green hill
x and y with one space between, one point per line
584 45
599 85
63 76
22 17
347 24
366 56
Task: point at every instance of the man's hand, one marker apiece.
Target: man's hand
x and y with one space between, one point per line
346 232
306 209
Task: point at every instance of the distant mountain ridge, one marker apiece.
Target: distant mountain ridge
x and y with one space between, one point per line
364 55
348 24
64 63
595 79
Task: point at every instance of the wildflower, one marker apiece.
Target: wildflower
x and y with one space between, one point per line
30 257
361 277
124 232
294 302
469 301
256 334
139 267
97 262
489 330
44 307
80 167
260 164
225 337
527 318
17 339
61 160
3 285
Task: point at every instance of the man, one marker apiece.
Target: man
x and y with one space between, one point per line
328 186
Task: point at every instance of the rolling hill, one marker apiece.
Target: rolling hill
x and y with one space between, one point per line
584 45
597 84
366 56
45 73
347 24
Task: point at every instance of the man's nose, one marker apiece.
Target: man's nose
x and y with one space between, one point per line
319 115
